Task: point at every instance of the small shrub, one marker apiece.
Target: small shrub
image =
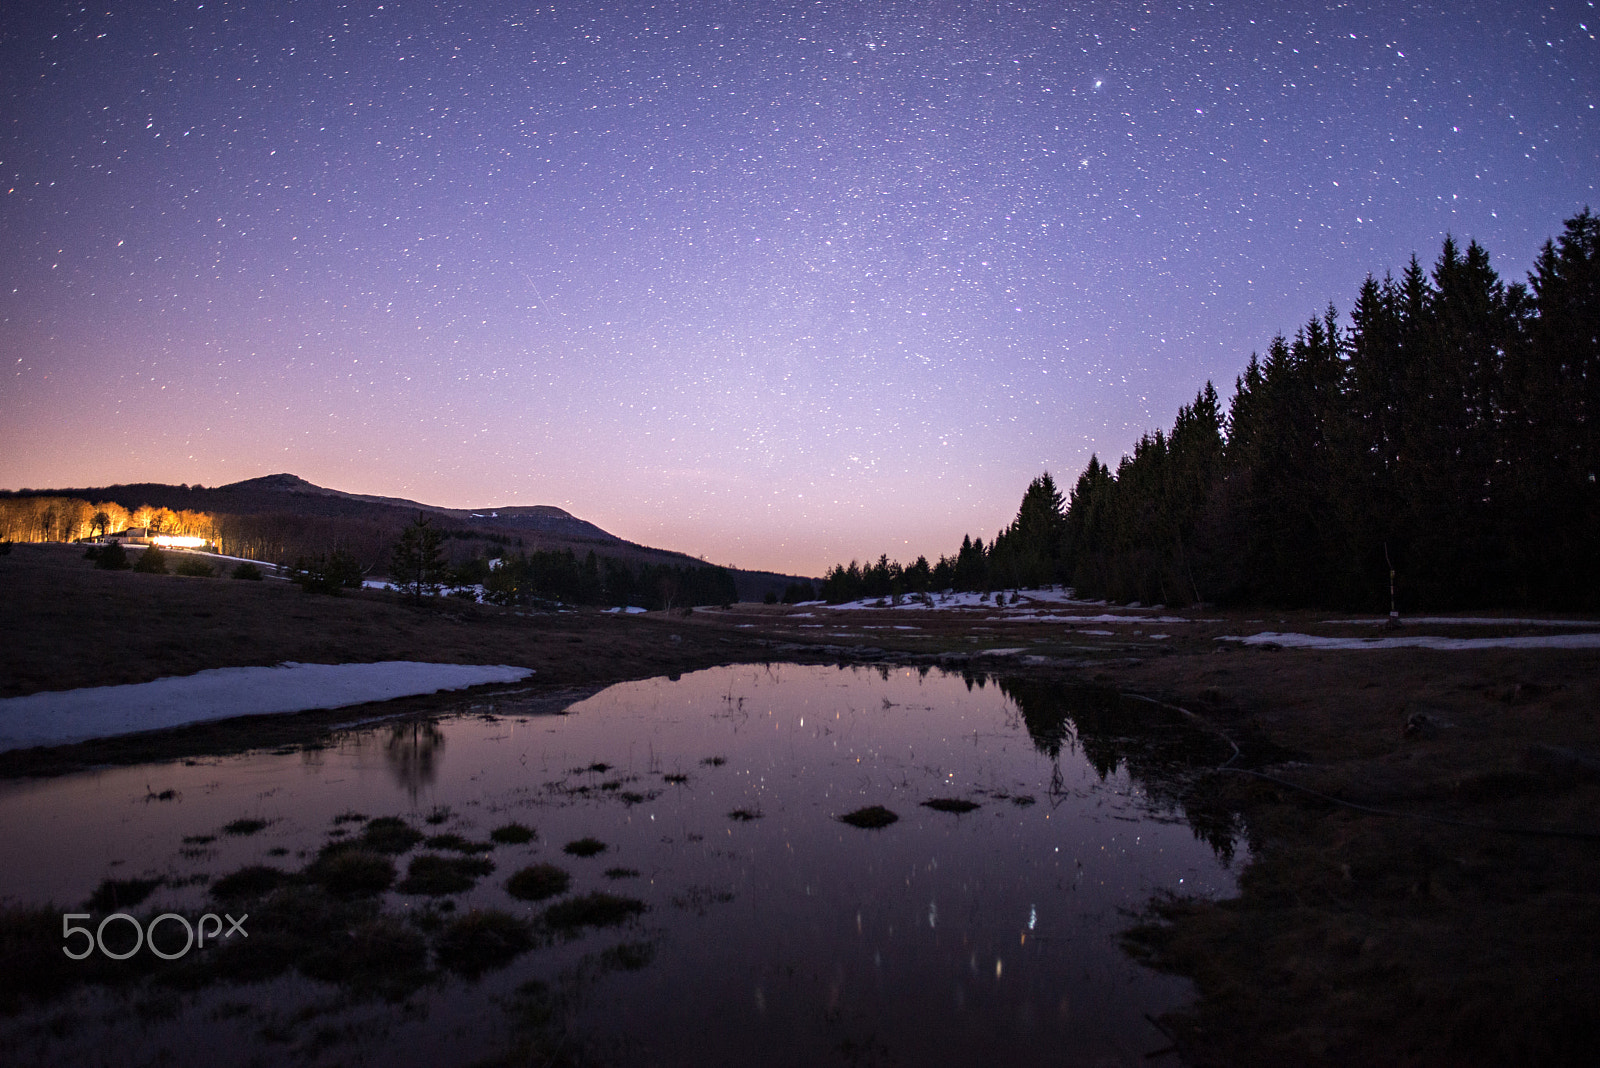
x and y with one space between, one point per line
512 834
249 572
537 882
195 567
112 557
151 562
327 572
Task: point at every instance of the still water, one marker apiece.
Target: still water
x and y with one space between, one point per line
772 931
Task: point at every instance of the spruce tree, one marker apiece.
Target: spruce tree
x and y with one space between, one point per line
416 563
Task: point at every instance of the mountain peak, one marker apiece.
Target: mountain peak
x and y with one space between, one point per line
283 482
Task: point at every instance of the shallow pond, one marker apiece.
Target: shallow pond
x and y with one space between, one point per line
771 930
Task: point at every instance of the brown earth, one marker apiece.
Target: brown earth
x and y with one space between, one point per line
1424 877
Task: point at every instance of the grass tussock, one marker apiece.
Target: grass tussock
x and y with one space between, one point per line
252 881
585 847
348 872
389 834
594 909
117 895
957 805
538 882
436 876
512 834
481 941
872 817
36 969
628 956
456 844
384 955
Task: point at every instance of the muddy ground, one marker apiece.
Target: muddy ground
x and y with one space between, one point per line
1424 883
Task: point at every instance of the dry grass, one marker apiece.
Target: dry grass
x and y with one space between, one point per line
1365 938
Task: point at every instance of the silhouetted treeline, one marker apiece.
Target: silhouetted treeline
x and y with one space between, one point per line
1450 433
528 578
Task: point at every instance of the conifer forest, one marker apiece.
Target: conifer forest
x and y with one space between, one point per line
1443 444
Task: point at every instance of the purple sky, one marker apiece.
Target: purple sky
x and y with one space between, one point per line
779 284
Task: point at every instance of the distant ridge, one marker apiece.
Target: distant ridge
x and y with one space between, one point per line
537 526
542 518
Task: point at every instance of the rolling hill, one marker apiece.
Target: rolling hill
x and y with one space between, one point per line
291 514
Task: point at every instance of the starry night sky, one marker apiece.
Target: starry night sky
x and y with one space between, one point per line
778 283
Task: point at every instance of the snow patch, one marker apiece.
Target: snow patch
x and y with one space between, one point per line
1106 618
1472 621
1419 641
65 716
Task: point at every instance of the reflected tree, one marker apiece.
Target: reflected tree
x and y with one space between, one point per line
413 752
1170 758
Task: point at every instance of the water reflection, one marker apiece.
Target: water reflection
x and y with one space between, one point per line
413 751
981 928
1154 744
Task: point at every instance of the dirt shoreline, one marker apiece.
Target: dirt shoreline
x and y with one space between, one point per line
1439 923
